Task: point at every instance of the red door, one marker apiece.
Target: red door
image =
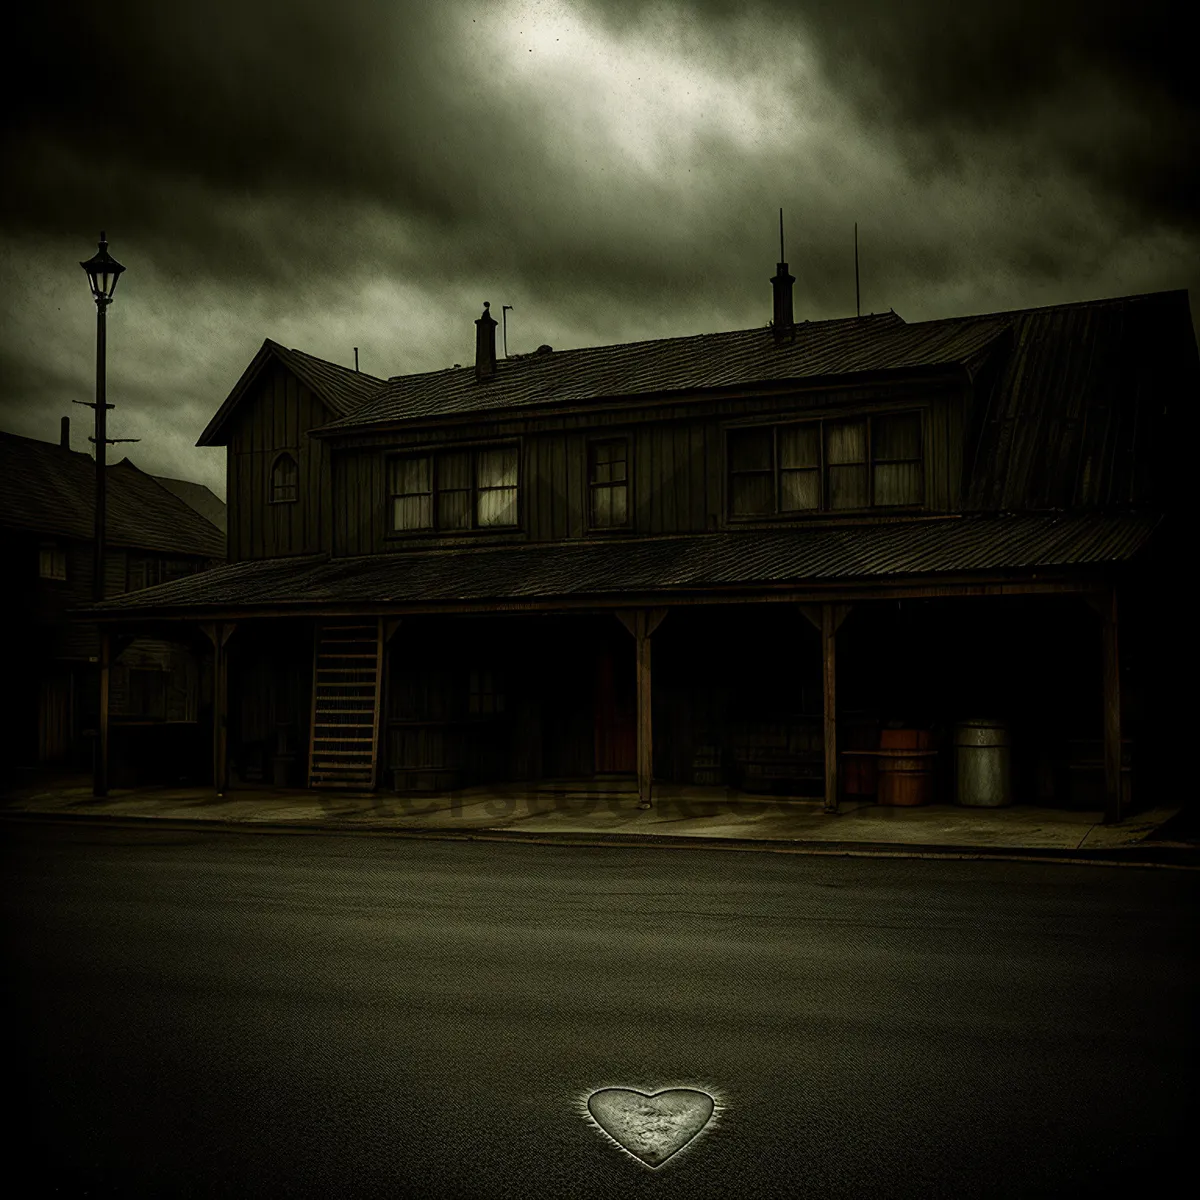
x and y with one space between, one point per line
616 726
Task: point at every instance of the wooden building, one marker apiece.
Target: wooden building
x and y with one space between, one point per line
715 559
52 663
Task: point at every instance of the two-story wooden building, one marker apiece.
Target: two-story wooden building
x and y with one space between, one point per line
817 527
50 708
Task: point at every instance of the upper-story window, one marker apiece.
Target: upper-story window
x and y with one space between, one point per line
52 561
455 490
608 483
828 465
285 479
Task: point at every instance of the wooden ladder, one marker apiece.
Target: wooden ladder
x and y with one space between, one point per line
344 734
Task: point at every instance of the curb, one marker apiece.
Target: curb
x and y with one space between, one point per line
1146 855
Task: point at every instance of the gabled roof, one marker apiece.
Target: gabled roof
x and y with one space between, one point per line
340 389
661 566
46 488
203 499
1076 412
746 357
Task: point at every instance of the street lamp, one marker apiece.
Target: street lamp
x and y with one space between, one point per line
103 271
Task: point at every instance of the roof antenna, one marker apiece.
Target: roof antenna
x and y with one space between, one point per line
504 330
356 360
782 256
857 305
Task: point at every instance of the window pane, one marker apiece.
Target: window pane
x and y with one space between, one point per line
498 468
412 512
620 505
848 487
608 461
800 490
750 450
498 506
410 475
753 495
454 510
800 446
454 471
899 483
846 442
896 437
602 507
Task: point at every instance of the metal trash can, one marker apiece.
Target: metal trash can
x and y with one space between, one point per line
982 764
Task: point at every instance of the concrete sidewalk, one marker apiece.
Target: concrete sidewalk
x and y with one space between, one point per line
596 812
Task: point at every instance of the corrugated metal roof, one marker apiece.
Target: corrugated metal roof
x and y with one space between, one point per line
711 360
1071 415
659 565
48 489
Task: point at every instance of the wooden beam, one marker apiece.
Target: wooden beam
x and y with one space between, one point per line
642 622
816 614
829 626
1112 713
100 763
645 738
219 634
389 629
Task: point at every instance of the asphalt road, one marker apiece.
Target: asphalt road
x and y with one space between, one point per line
267 1014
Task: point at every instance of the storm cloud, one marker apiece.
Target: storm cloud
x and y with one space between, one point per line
366 173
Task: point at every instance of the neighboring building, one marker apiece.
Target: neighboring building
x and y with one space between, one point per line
425 573
51 670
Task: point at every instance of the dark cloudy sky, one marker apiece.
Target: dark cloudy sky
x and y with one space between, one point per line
340 173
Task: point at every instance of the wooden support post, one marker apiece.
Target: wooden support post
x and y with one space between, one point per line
829 661
1112 712
220 633
642 623
827 618
1105 604
100 765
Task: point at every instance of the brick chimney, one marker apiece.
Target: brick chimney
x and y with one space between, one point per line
485 345
783 323
64 433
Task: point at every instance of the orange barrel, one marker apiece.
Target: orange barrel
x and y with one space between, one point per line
906 777
905 739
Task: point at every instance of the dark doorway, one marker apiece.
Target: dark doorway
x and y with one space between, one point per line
616 708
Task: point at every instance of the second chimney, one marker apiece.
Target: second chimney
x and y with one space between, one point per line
485 345
64 433
782 285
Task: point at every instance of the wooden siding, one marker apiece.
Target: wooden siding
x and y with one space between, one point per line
676 470
276 418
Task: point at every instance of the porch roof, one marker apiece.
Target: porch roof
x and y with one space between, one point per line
667 566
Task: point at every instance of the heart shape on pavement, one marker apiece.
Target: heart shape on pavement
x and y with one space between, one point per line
651 1127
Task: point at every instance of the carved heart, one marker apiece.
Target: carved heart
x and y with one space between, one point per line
651 1127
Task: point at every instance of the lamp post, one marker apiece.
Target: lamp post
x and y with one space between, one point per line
103 271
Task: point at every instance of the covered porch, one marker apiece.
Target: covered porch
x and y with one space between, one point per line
768 696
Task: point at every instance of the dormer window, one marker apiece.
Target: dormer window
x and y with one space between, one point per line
841 465
285 479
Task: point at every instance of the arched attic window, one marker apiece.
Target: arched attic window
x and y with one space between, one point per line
285 479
